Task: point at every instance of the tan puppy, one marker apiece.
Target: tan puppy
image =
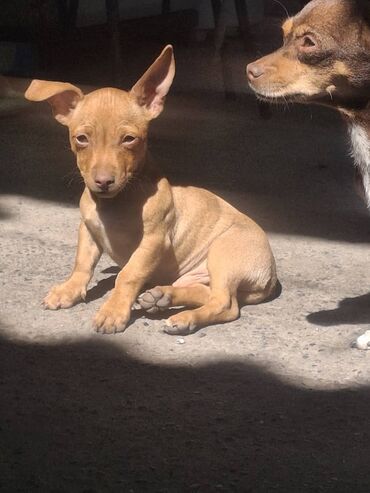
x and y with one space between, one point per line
206 253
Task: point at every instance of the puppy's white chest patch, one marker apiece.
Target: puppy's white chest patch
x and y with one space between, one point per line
361 154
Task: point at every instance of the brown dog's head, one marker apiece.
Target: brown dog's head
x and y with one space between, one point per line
108 127
325 57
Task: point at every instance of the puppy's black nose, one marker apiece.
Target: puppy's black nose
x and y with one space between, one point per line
104 182
255 70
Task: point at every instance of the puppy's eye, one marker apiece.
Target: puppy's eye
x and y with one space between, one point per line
82 140
129 140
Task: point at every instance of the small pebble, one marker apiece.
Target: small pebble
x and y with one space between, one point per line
180 340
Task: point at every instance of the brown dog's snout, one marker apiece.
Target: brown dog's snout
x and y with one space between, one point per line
255 70
104 181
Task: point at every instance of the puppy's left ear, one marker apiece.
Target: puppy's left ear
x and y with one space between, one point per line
62 97
150 91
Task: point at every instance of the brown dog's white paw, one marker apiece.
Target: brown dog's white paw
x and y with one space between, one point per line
64 296
362 341
154 300
111 319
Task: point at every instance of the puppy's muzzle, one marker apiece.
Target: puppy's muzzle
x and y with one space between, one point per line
104 182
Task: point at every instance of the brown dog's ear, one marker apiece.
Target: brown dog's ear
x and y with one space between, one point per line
150 91
62 97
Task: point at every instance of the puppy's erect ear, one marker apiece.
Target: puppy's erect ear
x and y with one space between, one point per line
62 97
150 91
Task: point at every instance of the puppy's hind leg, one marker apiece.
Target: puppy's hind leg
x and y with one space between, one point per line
222 306
222 303
163 297
241 257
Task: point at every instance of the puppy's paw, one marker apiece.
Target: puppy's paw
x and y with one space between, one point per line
154 300
64 296
111 318
362 341
180 324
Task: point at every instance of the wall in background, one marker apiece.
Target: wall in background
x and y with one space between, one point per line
93 11
22 12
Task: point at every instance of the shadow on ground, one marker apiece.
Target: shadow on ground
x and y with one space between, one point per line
349 311
87 417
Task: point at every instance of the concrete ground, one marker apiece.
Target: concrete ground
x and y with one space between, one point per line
275 401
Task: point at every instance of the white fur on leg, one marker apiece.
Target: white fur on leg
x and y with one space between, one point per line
361 155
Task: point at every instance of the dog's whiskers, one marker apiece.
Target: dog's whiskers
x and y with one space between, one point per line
283 6
72 176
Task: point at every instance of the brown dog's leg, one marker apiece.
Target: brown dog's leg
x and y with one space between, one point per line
163 297
73 290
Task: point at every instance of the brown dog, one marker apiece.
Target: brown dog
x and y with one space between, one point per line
206 253
325 59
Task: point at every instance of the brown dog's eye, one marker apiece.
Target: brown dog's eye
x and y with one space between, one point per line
307 43
82 140
129 140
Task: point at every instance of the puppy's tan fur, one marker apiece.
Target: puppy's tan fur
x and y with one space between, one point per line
200 250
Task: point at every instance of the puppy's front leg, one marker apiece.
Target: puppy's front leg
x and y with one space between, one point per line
73 290
114 315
